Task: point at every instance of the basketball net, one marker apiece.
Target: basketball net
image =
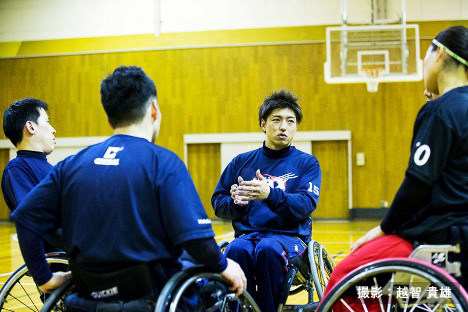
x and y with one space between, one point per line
373 75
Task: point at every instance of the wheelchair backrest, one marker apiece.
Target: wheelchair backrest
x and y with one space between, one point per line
439 255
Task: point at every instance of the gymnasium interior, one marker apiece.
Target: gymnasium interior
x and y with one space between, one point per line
213 63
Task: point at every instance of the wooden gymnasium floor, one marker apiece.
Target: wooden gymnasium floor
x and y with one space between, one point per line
335 235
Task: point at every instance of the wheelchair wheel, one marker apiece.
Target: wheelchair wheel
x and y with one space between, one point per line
327 264
56 300
314 260
398 284
222 245
20 293
195 289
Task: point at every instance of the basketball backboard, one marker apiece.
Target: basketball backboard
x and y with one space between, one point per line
381 49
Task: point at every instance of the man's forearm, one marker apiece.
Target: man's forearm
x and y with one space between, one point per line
225 208
290 206
32 249
206 252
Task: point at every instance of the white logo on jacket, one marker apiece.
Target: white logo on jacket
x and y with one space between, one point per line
109 157
204 221
280 181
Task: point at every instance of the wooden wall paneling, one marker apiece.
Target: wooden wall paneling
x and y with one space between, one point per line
333 202
204 163
216 90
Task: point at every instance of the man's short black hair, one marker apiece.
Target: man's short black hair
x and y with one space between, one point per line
126 94
281 99
16 116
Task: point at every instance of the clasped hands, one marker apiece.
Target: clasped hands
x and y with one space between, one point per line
246 191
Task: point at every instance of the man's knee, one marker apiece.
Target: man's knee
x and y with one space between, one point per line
268 250
239 249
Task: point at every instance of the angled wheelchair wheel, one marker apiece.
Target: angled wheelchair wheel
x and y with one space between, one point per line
315 270
196 289
56 300
20 293
326 264
222 245
398 284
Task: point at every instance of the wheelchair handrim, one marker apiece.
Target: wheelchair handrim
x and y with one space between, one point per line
385 267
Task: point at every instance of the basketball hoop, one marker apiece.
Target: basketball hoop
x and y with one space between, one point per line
357 54
373 75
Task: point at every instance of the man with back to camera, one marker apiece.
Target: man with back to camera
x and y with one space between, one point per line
26 124
269 194
119 205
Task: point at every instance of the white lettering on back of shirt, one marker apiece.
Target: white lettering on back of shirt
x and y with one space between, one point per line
109 157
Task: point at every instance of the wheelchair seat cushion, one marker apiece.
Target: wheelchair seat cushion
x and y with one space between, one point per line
126 284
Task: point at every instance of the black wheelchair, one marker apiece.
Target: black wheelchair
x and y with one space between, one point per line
385 285
308 273
20 293
423 282
193 289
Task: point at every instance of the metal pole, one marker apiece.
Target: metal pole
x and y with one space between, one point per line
404 40
344 12
157 18
344 37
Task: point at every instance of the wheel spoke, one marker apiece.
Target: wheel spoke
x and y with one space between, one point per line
20 293
19 282
390 295
407 299
346 305
382 309
438 304
362 301
419 299
17 299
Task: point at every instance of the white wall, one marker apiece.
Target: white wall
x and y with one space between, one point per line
240 14
231 150
65 147
22 20
437 10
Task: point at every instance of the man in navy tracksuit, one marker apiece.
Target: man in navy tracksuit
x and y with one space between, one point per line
269 194
27 126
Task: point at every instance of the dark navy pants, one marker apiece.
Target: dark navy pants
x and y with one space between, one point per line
263 260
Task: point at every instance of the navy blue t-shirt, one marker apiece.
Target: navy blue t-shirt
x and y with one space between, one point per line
439 158
294 178
120 201
22 174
